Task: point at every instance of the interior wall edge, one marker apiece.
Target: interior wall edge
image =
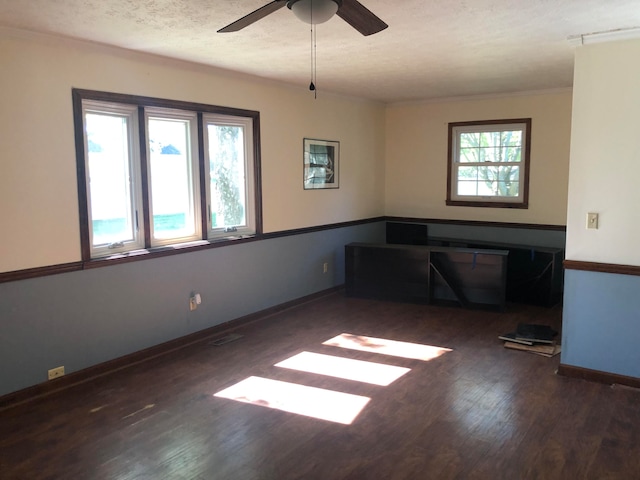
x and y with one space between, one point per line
602 267
597 376
600 321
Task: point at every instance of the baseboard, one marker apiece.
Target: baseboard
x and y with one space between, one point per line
87 374
597 376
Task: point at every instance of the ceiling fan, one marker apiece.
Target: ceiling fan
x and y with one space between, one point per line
314 12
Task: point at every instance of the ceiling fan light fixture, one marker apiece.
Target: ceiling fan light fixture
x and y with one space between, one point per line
313 11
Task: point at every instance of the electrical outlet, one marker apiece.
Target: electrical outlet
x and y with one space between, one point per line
56 372
325 267
193 304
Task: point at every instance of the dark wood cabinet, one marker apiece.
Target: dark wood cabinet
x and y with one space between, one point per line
534 274
472 278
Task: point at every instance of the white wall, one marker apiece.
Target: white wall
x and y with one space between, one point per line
605 154
38 193
416 157
601 327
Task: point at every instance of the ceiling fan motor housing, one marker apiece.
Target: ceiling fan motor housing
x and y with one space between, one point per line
314 11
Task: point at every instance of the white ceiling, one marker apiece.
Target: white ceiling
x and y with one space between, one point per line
432 49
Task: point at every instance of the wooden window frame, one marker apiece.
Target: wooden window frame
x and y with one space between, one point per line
486 201
142 102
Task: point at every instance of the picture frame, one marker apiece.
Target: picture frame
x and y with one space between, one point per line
321 164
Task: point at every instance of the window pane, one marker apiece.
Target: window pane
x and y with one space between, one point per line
489 181
467 181
469 154
508 184
508 189
468 173
508 173
227 173
469 140
512 138
490 139
489 154
468 188
170 174
109 163
512 154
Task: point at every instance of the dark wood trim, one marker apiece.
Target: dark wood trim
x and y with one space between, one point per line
81 174
143 218
527 165
168 251
468 203
142 102
257 172
597 376
204 205
449 162
86 375
476 223
39 272
602 267
319 228
162 103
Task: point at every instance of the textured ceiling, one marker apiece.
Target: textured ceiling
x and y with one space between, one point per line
432 49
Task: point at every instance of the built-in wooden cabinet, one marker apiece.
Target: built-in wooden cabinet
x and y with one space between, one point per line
534 274
472 278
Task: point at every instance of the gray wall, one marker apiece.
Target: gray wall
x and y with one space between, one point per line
522 236
84 318
600 327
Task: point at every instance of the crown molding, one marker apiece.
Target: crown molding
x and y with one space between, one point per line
601 37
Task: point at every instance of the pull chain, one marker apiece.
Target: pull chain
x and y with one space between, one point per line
312 85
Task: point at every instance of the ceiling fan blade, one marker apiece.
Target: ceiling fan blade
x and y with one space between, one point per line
360 18
254 16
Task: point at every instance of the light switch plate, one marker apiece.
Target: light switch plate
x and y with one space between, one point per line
592 220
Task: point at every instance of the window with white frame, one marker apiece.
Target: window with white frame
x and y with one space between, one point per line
172 169
156 173
230 178
489 163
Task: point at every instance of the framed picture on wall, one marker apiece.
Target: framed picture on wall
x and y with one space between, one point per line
321 164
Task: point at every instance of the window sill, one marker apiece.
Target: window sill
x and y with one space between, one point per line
468 203
166 250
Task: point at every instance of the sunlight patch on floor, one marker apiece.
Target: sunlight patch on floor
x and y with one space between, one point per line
349 369
290 397
387 347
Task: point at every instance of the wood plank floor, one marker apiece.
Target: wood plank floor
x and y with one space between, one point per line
479 411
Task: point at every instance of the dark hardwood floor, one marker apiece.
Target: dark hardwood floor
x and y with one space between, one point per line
479 411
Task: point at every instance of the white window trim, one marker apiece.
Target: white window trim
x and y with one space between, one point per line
249 228
135 193
194 172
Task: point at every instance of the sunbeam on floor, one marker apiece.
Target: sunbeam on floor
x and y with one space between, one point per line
328 404
349 369
314 402
387 347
